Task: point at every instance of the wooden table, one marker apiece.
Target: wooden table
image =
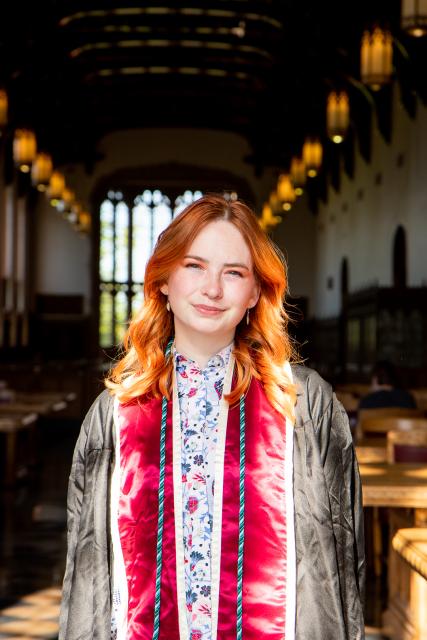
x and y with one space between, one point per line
394 485
407 612
369 451
41 406
41 402
49 396
10 424
402 488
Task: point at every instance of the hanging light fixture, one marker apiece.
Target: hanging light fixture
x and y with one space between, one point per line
298 175
4 108
312 153
274 201
286 191
24 149
84 222
337 116
268 219
56 187
414 17
66 201
376 58
41 171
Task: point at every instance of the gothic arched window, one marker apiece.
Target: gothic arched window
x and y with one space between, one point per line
128 233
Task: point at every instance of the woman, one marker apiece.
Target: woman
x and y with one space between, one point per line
214 491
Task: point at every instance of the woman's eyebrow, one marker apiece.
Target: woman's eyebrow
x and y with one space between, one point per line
227 264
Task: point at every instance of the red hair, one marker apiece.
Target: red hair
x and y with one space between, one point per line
260 348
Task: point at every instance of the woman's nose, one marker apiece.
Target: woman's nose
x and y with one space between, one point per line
212 286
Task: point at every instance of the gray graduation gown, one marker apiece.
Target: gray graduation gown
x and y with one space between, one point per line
329 541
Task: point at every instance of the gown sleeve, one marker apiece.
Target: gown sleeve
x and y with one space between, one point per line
353 505
76 488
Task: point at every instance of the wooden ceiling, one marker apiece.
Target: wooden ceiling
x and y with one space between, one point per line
76 70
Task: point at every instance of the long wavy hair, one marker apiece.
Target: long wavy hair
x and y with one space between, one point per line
261 348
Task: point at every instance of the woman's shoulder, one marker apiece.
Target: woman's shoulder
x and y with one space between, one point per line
102 404
309 381
314 393
99 419
317 403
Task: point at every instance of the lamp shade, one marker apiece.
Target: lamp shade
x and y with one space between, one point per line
24 149
312 153
414 17
337 116
286 191
268 219
376 58
4 108
274 201
41 171
84 223
66 201
56 187
298 175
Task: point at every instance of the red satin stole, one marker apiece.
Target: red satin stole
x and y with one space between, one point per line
264 568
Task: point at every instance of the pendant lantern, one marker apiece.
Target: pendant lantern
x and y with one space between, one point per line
298 175
268 219
286 191
56 187
24 149
67 200
337 116
312 153
41 171
414 17
4 108
376 58
274 201
84 222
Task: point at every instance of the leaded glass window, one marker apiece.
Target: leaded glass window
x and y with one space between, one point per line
128 233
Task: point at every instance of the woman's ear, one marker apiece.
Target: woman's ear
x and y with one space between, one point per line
254 299
164 289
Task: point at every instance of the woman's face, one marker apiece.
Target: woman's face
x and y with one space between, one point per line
213 285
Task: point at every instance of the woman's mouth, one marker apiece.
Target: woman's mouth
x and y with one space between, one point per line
208 311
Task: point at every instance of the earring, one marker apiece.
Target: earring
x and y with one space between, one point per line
168 307
247 316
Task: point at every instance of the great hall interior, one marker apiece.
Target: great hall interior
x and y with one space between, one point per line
116 114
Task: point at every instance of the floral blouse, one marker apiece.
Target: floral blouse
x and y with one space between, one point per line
199 393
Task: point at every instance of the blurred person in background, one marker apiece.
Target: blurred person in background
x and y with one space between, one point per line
386 389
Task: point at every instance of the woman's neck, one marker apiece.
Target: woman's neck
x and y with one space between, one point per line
201 348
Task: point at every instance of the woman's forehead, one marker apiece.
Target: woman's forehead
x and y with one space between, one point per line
220 237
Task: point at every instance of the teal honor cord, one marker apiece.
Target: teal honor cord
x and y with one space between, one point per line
161 514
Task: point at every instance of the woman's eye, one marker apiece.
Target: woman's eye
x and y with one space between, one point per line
193 264
235 273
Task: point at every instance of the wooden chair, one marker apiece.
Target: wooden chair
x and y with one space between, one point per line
379 427
407 445
384 412
354 388
382 422
348 400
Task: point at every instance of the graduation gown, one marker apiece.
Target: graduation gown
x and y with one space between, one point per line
326 524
